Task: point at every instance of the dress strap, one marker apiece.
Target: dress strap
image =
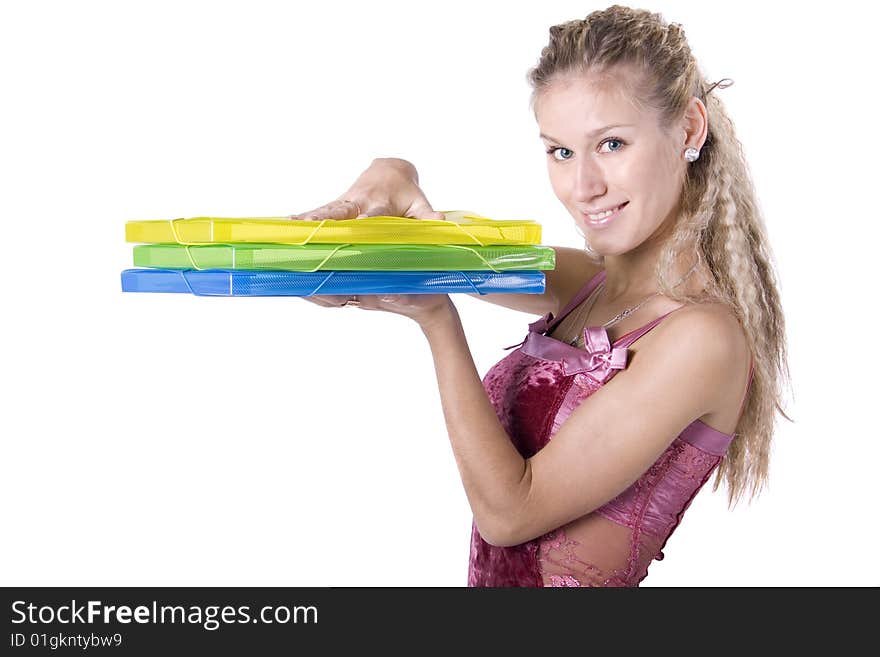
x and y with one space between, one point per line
548 321
627 339
578 298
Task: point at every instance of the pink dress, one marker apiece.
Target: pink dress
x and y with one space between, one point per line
533 390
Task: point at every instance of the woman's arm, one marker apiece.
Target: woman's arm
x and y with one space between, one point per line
390 185
605 445
573 269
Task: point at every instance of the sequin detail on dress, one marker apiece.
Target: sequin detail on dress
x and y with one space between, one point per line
533 390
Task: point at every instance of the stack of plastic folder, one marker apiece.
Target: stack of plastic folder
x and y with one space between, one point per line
276 256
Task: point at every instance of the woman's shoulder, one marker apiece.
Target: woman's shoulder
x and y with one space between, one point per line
709 329
712 333
707 316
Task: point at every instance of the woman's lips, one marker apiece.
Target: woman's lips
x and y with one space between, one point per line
601 223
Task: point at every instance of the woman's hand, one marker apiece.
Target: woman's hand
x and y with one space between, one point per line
388 188
425 309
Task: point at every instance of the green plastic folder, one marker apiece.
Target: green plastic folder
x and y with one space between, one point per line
346 257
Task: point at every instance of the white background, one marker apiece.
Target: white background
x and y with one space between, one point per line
178 440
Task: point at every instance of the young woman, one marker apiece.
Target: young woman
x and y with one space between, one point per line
660 352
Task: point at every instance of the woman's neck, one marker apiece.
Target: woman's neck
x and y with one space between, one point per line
632 276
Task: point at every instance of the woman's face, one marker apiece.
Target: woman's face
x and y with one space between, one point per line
593 168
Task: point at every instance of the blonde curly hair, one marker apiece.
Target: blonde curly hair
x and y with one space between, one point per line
720 224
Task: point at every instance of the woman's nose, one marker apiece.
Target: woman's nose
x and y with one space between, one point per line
590 180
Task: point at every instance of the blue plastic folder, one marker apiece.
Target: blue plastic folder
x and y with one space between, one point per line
248 283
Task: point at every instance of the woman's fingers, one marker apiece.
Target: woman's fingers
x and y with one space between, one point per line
418 307
366 302
338 209
350 209
423 210
334 300
323 301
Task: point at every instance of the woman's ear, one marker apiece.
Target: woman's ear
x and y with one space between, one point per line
695 123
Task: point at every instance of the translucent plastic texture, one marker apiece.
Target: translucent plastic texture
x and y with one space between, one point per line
346 257
226 283
457 229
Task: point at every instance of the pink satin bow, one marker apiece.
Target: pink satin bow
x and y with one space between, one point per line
597 360
602 358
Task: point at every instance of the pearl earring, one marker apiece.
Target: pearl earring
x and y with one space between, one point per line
691 154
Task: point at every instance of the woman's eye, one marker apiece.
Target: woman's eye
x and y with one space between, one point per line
553 150
612 140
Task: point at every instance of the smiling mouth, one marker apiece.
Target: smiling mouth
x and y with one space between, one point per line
598 216
601 219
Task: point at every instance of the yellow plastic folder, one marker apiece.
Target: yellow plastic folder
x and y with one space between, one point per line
458 228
